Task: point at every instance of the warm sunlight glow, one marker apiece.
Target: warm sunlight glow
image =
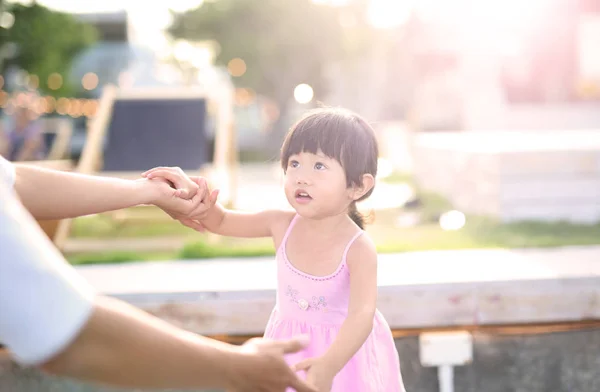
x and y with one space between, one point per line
184 5
202 57
485 25
183 50
334 3
386 14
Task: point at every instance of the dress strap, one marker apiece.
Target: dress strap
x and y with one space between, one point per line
358 234
289 229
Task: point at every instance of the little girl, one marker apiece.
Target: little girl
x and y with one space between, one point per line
326 263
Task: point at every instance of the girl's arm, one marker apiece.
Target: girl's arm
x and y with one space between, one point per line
212 216
222 221
362 264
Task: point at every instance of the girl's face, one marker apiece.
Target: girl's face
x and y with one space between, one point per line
315 185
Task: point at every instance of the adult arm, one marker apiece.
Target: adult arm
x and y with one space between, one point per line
51 318
125 347
53 194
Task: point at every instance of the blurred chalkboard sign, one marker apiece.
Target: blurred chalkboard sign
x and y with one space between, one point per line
144 133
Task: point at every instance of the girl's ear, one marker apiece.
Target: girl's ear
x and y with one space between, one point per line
368 182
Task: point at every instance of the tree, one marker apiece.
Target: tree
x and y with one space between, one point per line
283 43
47 42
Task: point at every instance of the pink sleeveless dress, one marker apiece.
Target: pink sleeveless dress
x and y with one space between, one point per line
317 306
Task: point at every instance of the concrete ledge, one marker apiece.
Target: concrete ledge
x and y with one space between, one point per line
416 290
481 288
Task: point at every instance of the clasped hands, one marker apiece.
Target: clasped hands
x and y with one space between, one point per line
187 199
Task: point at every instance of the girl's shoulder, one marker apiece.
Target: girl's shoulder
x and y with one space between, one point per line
361 251
283 217
281 221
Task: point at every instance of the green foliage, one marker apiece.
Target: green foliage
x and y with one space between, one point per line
47 42
283 43
104 226
117 257
205 250
479 233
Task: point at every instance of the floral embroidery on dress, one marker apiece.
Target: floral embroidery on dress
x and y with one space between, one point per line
292 294
317 303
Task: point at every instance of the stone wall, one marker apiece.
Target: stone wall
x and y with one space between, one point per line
556 362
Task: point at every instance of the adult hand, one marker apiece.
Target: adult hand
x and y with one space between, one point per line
193 220
261 367
200 208
162 194
184 186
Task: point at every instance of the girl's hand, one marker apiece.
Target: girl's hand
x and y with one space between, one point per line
318 373
200 211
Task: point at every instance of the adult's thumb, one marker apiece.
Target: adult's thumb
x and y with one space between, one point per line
295 344
302 365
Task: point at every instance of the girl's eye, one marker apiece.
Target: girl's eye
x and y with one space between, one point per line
293 164
319 166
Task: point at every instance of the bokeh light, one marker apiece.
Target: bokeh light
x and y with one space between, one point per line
89 81
34 82
55 81
452 220
236 67
7 20
62 106
303 93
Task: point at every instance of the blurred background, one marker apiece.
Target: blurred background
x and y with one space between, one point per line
487 113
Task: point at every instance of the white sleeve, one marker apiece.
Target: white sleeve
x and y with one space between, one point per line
44 303
7 173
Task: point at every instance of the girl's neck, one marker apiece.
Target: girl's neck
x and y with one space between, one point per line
326 225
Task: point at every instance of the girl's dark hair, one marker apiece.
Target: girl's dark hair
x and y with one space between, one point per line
341 135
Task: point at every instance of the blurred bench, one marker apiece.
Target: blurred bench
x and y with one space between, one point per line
514 176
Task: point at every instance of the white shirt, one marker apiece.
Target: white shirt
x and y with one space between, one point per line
44 303
7 173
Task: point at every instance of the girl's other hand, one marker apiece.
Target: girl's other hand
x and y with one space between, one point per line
317 373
